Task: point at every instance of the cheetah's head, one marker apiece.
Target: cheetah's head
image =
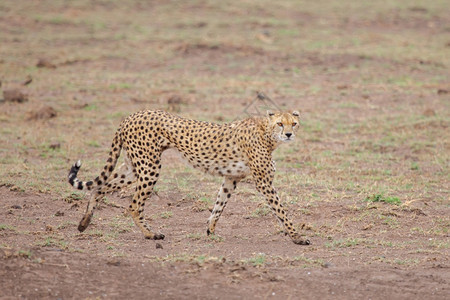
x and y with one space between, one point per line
283 125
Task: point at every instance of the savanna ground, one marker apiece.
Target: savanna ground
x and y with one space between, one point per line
367 179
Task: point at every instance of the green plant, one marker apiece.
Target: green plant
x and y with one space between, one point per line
166 214
215 238
194 236
6 227
344 243
261 212
25 253
258 260
385 199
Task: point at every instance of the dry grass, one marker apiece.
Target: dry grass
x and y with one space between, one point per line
365 77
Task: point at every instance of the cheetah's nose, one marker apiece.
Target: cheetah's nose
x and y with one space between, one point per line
288 134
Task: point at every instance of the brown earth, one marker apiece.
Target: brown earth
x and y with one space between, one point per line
190 265
366 181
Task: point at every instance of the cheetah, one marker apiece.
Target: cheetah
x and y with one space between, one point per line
232 150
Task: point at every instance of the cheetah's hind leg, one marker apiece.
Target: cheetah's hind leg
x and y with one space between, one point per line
122 180
147 175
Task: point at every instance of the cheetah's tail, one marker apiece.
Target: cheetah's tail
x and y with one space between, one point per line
75 182
107 169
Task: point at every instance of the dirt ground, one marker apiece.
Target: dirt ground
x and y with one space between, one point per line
367 179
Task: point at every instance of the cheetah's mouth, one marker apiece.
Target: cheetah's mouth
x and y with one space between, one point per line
287 139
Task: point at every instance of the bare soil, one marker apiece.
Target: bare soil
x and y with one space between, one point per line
190 265
372 87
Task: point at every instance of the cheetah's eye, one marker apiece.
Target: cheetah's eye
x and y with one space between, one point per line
280 124
294 124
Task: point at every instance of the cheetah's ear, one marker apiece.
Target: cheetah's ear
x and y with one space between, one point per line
270 113
295 113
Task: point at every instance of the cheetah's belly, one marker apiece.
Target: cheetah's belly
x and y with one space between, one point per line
232 168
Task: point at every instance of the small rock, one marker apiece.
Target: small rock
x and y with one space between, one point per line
49 228
45 63
15 206
113 263
342 87
418 9
46 112
55 146
174 103
14 95
59 214
28 80
159 246
275 278
429 112
442 91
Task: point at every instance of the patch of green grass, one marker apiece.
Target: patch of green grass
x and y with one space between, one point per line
166 214
414 166
120 86
406 262
95 232
74 196
90 107
194 236
66 224
385 199
186 257
201 259
118 115
215 238
308 261
439 244
7 227
25 253
53 242
258 260
94 144
344 243
390 221
260 212
120 224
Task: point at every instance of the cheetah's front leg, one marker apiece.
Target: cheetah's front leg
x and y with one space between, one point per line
274 202
264 178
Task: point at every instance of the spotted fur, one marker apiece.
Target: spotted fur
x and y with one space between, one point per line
232 151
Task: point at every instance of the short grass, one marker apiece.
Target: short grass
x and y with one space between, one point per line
365 76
